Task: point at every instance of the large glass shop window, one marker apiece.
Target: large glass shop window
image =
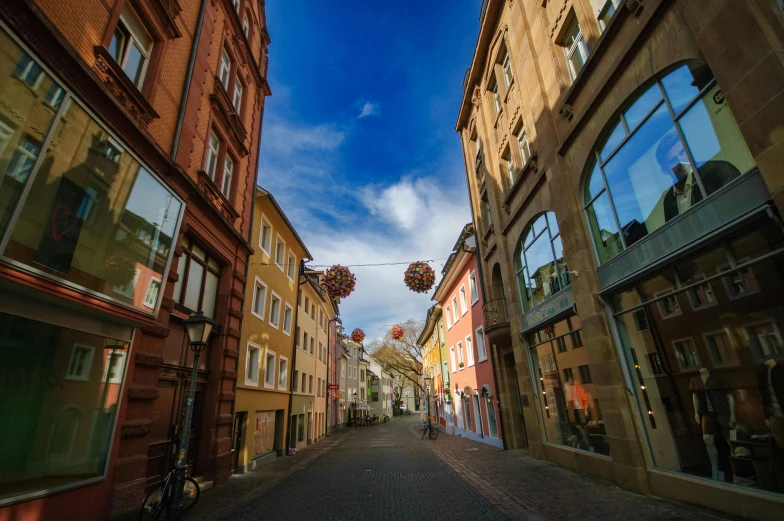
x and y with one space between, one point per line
540 263
676 144
570 406
93 216
704 341
59 390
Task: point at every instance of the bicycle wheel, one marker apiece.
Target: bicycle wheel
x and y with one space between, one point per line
154 504
190 495
434 433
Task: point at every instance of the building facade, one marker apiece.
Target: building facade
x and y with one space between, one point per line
431 341
624 168
472 381
267 356
119 220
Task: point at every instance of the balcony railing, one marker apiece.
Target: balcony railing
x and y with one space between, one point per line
495 313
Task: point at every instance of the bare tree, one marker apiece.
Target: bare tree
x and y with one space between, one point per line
401 357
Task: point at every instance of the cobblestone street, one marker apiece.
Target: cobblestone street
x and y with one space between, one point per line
388 472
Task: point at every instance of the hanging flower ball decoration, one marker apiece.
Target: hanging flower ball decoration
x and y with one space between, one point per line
397 332
420 277
339 281
358 335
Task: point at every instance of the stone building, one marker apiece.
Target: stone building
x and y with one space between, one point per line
129 135
623 160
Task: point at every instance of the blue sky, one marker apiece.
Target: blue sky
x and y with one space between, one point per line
358 142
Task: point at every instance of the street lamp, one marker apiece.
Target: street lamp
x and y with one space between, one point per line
428 381
336 320
355 409
199 328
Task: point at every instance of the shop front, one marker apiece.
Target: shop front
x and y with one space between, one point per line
86 233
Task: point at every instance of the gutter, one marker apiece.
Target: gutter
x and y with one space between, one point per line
186 87
287 441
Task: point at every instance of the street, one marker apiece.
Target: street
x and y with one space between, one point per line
388 472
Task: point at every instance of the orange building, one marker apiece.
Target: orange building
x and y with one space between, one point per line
129 134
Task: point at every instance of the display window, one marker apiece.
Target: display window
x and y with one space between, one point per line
571 413
76 205
709 382
59 391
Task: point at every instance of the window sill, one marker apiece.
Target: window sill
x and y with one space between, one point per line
126 94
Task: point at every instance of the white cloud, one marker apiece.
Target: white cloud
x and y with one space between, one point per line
368 109
285 138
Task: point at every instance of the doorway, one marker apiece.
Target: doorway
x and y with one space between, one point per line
480 430
237 438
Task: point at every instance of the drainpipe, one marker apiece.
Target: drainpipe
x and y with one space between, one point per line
294 354
186 87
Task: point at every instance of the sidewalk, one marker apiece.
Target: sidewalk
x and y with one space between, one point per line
526 488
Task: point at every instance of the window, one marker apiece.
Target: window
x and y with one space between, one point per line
577 339
224 70
606 10
741 283
151 297
669 306
28 70
228 171
269 369
50 445
318 386
454 310
720 349
259 303
252 364
702 296
510 168
506 63
274 316
304 383
585 374
237 102
291 266
448 319
196 291
463 303
265 235
296 337
245 27
460 362
305 341
641 320
283 371
301 427
307 304
540 262
656 364
644 174
686 354
575 50
288 314
131 46
280 252
312 344
525 147
473 288
23 159
81 362
211 161
469 350
295 380
560 342
54 96
568 375
496 99
310 383
765 340
480 344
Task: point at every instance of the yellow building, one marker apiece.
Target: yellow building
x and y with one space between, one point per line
431 364
309 384
267 343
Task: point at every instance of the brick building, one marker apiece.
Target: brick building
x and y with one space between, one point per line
129 137
623 160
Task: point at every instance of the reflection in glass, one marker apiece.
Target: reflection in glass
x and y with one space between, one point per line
541 265
95 217
711 379
652 178
59 389
604 229
570 406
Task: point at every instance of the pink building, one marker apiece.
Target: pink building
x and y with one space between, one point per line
471 405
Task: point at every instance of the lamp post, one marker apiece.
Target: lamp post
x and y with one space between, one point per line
355 409
199 328
337 321
428 380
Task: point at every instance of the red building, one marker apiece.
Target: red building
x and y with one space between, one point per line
474 409
129 133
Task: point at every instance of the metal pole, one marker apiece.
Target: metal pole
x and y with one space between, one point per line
429 422
181 468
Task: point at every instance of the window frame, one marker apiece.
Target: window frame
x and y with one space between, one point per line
553 234
274 355
577 44
251 346
455 316
84 374
469 347
132 38
288 307
734 359
237 95
280 244
211 155
483 353
463 300
151 304
283 370
228 174
524 145
274 296
696 352
257 282
268 249
187 246
224 66
473 288
460 356
506 65
291 265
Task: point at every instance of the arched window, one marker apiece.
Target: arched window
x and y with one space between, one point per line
675 144
541 267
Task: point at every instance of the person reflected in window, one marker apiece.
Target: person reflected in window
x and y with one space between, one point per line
685 191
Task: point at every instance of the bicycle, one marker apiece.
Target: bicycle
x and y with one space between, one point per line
433 431
159 499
